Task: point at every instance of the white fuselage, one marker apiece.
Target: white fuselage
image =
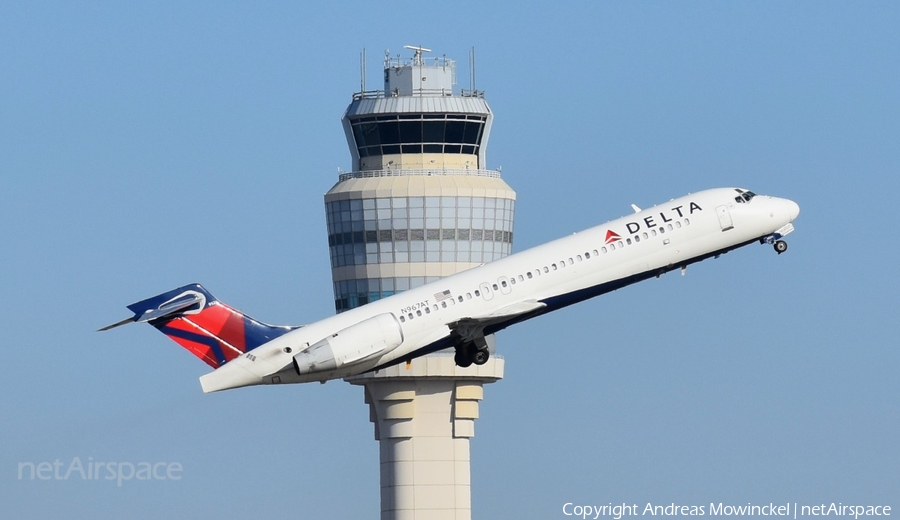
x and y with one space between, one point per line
598 260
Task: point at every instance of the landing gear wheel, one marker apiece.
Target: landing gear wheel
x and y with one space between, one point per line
477 354
461 359
780 246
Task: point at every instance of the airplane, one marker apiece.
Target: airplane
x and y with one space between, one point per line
463 310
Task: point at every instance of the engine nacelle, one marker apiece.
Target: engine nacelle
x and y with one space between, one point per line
360 342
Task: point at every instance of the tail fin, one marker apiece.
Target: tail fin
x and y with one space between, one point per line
208 328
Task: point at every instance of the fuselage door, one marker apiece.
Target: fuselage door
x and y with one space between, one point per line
504 284
724 218
486 292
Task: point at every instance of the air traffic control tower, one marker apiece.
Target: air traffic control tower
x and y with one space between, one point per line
419 204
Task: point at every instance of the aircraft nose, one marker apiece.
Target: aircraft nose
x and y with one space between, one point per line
793 209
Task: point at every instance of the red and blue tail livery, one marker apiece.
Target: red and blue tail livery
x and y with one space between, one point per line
208 328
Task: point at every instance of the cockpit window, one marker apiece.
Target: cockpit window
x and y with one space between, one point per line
745 196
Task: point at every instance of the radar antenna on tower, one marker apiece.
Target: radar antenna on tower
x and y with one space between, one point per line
417 57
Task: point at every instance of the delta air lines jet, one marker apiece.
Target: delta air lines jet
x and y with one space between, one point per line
459 311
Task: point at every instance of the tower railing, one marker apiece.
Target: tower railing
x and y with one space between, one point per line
419 92
418 60
398 172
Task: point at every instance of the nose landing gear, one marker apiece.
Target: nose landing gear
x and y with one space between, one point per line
776 241
777 238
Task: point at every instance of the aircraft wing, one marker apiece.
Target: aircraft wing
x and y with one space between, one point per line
473 327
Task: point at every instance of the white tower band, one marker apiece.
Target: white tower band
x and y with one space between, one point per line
418 205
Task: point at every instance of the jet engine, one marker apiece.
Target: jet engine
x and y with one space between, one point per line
365 340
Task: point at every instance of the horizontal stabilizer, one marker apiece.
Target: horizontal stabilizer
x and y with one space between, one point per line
166 304
116 324
168 308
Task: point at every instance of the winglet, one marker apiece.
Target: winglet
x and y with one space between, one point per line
635 208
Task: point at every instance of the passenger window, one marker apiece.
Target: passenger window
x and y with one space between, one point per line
546 269
653 232
402 319
645 235
495 287
662 230
435 307
503 283
578 258
687 222
477 293
444 304
521 278
468 296
587 255
410 316
512 280
628 240
562 263
528 274
418 313
677 224
595 251
427 310
571 261
603 249
553 266
637 238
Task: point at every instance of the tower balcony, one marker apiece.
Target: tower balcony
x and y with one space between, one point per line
429 172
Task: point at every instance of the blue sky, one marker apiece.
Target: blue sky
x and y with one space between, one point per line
148 145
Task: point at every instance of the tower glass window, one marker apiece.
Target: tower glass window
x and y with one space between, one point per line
418 133
355 237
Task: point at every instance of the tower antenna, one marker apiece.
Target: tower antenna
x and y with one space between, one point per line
362 71
472 69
